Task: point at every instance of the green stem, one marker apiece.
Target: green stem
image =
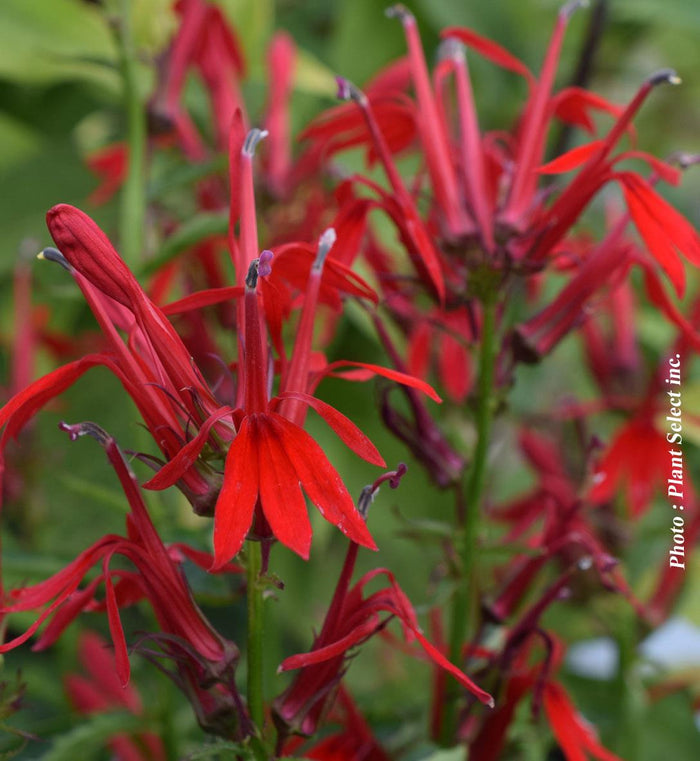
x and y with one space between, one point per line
255 636
133 199
465 605
631 693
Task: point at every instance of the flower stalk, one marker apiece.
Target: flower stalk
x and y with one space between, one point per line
255 649
465 605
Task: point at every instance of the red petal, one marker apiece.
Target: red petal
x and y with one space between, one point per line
346 430
571 159
423 243
489 49
675 225
89 250
204 298
280 494
455 367
200 558
339 647
570 729
293 262
402 378
572 105
233 513
321 481
115 625
439 659
657 296
665 171
657 238
24 405
236 138
187 456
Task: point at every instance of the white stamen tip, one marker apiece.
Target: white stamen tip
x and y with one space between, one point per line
252 139
325 244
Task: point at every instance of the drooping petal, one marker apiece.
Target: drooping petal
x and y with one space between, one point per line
346 430
338 647
115 625
201 299
233 512
663 228
573 104
657 296
321 481
657 240
573 733
24 405
280 493
490 50
571 159
395 375
187 456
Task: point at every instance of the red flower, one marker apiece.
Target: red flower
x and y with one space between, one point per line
636 441
352 618
157 577
354 742
102 691
576 737
272 457
109 164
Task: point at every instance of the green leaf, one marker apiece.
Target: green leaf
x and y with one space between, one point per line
364 40
458 753
92 735
153 22
183 175
313 77
221 750
27 567
198 229
18 142
256 18
108 497
44 41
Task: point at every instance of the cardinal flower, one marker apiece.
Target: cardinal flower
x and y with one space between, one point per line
272 457
156 577
353 617
100 690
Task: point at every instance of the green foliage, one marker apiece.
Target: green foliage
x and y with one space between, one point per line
90 737
58 40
